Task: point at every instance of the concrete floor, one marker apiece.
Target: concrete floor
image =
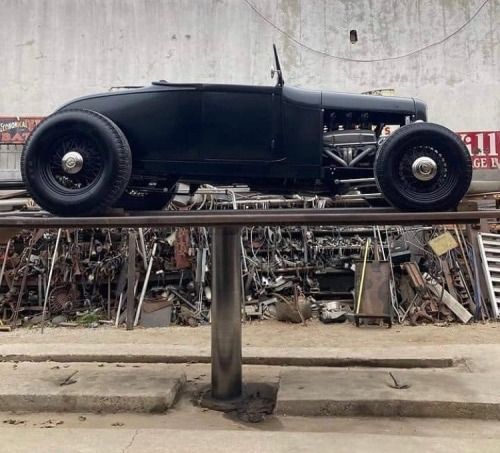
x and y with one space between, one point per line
190 429
188 441
466 355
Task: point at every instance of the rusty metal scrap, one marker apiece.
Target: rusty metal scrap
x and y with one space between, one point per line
308 271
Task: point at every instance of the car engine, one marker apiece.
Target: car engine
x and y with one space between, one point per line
350 147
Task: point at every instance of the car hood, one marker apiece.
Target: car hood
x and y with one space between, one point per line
330 100
371 103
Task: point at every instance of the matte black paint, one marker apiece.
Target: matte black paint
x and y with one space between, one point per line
264 136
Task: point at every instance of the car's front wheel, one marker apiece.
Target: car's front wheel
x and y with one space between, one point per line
423 167
76 162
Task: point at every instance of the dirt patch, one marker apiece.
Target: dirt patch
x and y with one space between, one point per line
256 403
271 334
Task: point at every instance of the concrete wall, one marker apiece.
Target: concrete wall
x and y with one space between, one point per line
53 50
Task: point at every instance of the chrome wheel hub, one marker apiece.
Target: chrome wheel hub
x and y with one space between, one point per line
72 162
424 168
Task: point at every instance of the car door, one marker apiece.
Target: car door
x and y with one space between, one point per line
240 123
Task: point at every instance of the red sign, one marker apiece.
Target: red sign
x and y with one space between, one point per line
484 148
15 130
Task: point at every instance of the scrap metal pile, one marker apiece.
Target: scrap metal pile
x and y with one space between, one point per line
412 275
365 274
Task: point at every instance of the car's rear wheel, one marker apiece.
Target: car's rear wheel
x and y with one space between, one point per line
423 167
76 162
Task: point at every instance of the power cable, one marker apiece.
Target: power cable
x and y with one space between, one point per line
356 60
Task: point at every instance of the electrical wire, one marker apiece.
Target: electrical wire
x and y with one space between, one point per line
360 60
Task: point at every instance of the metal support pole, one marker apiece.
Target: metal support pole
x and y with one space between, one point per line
132 238
226 313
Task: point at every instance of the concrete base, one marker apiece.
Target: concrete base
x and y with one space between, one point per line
355 392
81 387
462 384
255 403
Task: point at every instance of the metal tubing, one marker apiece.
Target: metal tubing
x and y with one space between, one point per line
14 202
226 313
109 297
132 238
145 284
354 180
336 158
120 302
360 196
47 289
361 156
143 249
7 247
23 282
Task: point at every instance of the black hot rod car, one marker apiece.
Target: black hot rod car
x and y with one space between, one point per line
129 148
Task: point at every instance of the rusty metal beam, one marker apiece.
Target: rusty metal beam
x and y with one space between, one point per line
226 313
336 216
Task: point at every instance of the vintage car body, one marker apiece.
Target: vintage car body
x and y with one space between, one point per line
235 133
129 147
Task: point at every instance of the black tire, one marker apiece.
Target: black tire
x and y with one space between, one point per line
449 180
106 170
143 201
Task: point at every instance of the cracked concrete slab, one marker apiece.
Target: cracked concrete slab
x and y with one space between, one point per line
362 392
80 387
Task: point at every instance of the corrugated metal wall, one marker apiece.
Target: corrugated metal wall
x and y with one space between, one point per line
9 162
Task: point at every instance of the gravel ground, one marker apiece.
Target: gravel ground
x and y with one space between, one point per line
271 334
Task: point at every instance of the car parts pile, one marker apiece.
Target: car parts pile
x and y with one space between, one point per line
289 273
